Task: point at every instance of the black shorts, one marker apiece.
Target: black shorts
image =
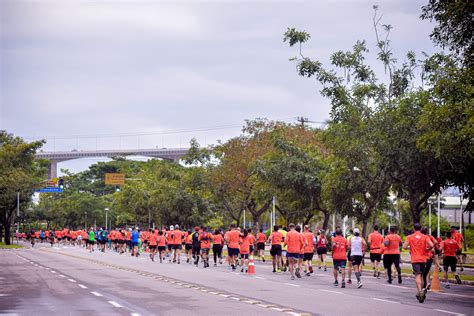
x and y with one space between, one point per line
390 259
275 250
103 242
308 256
244 255
91 242
356 260
459 252
251 248
450 262
437 252
217 249
419 267
205 251
196 251
349 256
261 246
121 241
375 257
322 251
177 246
68 238
170 247
232 252
339 263
188 246
161 248
152 248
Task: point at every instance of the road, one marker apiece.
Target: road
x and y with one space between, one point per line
45 281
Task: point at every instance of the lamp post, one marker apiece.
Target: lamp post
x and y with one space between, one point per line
439 215
85 221
106 217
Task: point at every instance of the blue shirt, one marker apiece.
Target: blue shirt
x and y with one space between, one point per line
135 236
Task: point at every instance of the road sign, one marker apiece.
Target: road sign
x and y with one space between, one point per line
115 178
50 190
51 183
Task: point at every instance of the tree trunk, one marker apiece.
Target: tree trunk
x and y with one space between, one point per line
364 228
1 232
415 212
307 219
6 225
326 220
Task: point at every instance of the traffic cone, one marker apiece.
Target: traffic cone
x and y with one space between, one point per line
251 269
435 284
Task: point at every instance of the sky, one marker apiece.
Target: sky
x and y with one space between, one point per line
91 75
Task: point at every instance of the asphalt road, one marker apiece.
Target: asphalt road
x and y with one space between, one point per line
70 280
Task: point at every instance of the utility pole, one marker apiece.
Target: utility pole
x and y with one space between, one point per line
302 120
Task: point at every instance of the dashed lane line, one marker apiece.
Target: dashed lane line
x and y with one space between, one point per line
291 284
82 286
329 291
71 280
448 312
382 300
397 286
115 304
96 293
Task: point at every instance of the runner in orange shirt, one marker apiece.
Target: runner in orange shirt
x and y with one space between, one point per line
177 244
275 240
152 244
299 266
460 239
295 242
419 245
161 245
376 243
261 244
450 246
232 238
218 241
308 251
391 256
245 242
339 257
205 238
188 246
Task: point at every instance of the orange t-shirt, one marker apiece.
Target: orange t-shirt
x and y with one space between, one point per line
152 239
309 242
205 239
245 245
177 237
450 247
189 239
276 238
375 240
261 238
393 247
339 247
418 244
458 237
295 242
161 241
252 239
47 234
217 239
233 238
58 234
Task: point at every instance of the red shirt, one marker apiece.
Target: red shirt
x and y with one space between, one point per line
205 239
245 245
153 239
458 237
375 240
233 238
450 247
393 247
276 238
161 241
339 247
295 242
218 239
322 242
418 247
309 242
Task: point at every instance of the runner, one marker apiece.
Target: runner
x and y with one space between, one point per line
460 240
391 256
218 241
275 239
295 243
375 242
429 260
284 249
419 245
170 242
152 244
232 238
339 259
91 240
357 245
103 238
322 249
261 244
135 235
177 244
244 248
349 262
450 246
299 266
308 251
196 245
161 245
205 239
188 246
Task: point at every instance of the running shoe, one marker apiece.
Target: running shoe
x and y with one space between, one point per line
343 284
349 281
336 283
308 274
359 285
447 286
458 279
274 271
292 277
278 270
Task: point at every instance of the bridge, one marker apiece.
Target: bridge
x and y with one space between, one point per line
173 154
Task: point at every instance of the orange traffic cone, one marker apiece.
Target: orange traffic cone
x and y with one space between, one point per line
251 269
435 284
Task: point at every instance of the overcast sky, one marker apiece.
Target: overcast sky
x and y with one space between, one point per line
126 67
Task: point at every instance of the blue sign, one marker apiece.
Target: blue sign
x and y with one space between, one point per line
50 190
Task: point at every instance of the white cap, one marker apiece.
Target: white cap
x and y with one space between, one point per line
356 231
171 227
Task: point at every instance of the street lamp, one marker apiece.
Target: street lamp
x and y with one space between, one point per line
106 217
85 221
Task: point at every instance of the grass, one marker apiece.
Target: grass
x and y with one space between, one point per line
3 246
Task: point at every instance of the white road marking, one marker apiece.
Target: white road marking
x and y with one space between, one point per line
291 284
224 295
82 286
115 304
397 286
293 313
52 271
329 291
382 300
62 276
277 309
96 294
5 294
448 312
257 277
134 314
71 280
262 305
